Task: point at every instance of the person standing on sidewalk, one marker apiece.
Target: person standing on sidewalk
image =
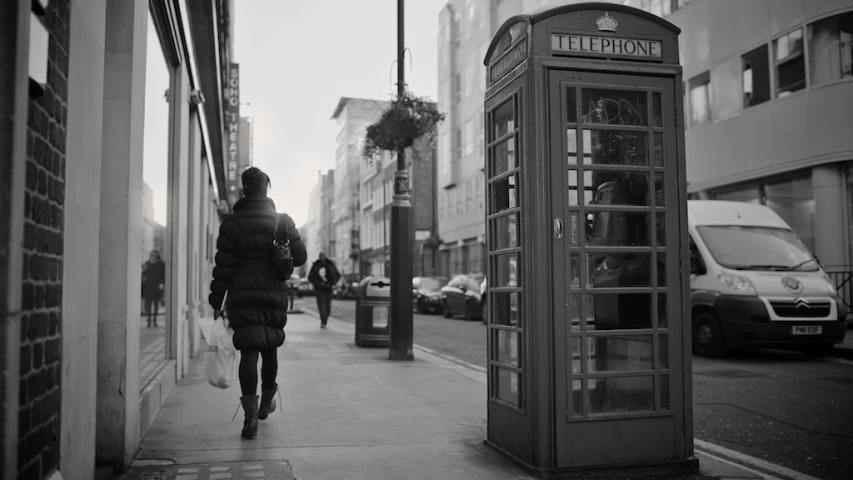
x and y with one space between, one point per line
324 275
257 299
153 286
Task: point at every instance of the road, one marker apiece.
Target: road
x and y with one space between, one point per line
784 408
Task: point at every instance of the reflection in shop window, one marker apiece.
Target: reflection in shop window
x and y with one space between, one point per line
831 48
790 63
153 325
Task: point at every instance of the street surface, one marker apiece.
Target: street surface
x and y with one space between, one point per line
785 408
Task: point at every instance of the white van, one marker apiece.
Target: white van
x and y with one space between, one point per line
754 283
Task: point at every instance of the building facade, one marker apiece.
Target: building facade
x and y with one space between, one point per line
765 84
466 28
376 195
353 116
315 218
73 392
326 222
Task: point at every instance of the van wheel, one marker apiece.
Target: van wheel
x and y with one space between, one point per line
708 339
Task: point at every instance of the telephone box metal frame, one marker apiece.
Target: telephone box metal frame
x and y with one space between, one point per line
589 353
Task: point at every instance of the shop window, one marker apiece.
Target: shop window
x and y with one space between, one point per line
154 321
700 99
831 48
790 63
725 84
756 77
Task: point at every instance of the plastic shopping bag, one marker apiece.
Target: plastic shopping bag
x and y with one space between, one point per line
221 355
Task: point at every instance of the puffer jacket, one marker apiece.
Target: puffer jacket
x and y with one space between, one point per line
257 299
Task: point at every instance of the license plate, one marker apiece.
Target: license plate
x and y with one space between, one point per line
380 317
806 329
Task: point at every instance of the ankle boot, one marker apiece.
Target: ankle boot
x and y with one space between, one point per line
267 402
250 407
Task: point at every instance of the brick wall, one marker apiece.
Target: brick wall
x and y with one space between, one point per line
40 399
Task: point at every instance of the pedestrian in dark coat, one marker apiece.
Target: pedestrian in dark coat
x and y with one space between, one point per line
257 297
323 276
153 286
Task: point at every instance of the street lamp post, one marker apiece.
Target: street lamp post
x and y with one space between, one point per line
401 331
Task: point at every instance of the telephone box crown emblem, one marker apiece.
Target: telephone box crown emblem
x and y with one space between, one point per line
606 23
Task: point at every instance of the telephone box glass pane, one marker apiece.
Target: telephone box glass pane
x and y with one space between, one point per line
621 354
504 118
506 346
506 270
574 271
571 105
614 107
664 392
661 269
657 117
575 312
506 309
504 194
613 229
615 147
620 188
505 232
573 187
576 354
663 351
609 270
577 396
506 386
660 224
663 320
657 149
621 311
659 190
572 145
622 395
504 157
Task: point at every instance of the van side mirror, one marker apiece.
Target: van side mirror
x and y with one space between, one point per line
696 265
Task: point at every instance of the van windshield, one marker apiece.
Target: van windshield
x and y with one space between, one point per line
757 248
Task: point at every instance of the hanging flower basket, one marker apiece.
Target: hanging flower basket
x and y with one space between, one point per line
406 120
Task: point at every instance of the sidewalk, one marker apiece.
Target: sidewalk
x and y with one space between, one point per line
345 413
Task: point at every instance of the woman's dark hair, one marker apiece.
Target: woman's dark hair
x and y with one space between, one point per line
255 181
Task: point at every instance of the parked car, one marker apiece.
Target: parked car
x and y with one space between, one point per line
426 294
461 296
305 288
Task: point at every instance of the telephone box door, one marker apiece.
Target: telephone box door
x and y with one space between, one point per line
617 284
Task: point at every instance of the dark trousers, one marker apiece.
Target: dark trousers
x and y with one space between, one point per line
249 370
324 305
152 307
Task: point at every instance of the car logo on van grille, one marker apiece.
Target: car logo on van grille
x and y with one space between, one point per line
802 303
792 284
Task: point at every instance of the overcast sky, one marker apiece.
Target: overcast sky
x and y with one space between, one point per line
298 58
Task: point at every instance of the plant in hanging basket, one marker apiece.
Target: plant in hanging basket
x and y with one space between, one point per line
407 119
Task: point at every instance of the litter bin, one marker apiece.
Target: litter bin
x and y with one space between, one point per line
372 307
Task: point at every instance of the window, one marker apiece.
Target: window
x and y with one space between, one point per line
831 48
457 144
456 88
756 77
470 82
793 200
700 99
790 63
468 137
657 7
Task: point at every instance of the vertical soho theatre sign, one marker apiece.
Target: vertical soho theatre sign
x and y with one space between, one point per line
232 123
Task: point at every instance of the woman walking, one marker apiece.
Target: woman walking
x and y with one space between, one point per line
257 298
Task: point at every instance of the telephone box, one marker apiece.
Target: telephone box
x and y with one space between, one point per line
589 322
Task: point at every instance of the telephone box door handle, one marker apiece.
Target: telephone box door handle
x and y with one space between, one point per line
558 228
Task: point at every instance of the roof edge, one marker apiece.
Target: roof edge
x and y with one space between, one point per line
548 12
